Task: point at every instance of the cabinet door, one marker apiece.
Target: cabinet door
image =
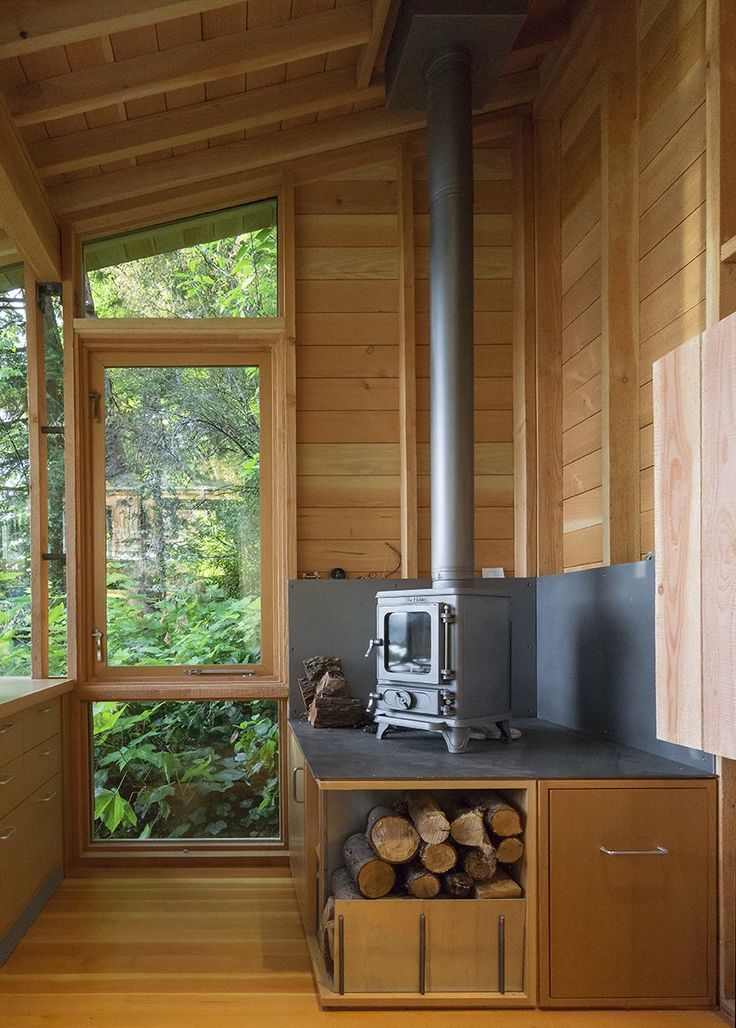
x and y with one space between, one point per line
630 901
296 805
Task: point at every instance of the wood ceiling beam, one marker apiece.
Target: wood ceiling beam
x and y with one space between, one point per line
191 64
8 250
24 208
273 149
367 60
266 106
30 25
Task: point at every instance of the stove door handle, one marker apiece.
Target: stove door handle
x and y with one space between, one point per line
372 645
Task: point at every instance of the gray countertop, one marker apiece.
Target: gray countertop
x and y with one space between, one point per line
544 751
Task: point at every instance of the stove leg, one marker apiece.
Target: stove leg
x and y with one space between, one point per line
456 739
504 728
383 727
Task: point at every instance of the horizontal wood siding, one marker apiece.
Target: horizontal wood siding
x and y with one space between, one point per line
672 183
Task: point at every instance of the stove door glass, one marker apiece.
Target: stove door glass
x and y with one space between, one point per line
409 642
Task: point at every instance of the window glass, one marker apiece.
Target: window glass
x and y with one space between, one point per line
15 550
220 265
185 770
409 642
50 303
183 515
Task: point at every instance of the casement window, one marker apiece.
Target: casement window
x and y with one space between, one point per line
183 502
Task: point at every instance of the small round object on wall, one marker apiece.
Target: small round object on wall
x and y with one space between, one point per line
338 573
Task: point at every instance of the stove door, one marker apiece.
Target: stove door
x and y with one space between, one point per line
413 643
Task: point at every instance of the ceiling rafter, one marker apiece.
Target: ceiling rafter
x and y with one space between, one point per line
31 25
25 213
275 148
190 64
367 60
265 106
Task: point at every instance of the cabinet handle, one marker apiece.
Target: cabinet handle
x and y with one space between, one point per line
7 779
502 954
660 851
422 954
4 729
293 785
46 753
10 831
46 710
46 799
341 953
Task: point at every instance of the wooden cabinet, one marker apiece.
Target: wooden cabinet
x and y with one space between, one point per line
628 897
303 802
30 807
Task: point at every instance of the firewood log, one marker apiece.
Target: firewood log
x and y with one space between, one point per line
480 863
393 837
307 689
335 711
315 667
374 877
343 886
428 817
326 934
331 685
508 850
420 883
501 886
457 884
466 825
438 856
500 817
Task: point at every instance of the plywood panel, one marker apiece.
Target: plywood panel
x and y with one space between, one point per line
582 439
678 200
677 518
719 537
583 510
582 402
681 246
582 474
329 329
583 330
673 159
583 546
679 293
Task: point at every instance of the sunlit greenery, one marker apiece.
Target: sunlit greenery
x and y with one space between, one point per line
183 770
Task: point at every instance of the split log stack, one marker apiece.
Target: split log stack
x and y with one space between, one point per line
425 848
326 697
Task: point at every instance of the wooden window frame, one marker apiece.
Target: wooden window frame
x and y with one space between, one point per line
148 342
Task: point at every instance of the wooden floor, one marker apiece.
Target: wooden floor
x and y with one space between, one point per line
156 952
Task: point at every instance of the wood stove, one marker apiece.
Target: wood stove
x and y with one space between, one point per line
443 663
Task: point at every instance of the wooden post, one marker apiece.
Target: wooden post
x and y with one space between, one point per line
35 355
549 346
620 282
407 366
525 368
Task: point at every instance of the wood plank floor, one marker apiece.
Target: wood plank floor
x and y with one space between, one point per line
172 952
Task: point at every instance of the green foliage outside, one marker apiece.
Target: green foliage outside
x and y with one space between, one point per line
229 278
184 770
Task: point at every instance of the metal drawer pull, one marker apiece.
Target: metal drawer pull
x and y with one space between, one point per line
341 953
6 728
10 831
46 710
501 954
294 773
7 779
46 799
660 851
422 954
46 753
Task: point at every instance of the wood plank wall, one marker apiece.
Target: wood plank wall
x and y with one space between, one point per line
672 51
348 326
670 71
580 237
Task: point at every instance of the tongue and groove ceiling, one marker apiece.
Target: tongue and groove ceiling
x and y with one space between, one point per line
119 102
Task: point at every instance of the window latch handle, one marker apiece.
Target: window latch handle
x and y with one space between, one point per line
95 402
97 636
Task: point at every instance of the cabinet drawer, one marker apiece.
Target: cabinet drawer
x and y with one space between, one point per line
383 952
41 722
11 737
13 785
630 893
42 763
30 848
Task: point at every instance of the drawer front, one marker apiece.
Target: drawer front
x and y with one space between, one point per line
30 848
41 723
13 785
42 763
633 922
11 736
